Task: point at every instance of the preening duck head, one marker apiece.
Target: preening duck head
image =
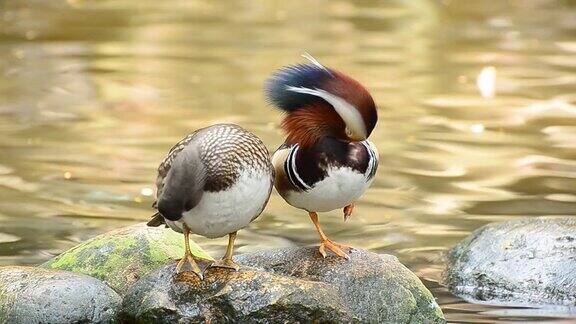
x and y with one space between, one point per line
320 101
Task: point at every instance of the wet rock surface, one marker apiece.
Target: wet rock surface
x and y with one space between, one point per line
35 295
525 262
123 256
286 285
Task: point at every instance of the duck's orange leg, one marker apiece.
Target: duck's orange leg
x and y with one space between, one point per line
188 258
227 261
338 249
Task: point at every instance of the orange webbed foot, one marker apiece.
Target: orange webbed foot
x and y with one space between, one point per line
188 259
225 263
340 250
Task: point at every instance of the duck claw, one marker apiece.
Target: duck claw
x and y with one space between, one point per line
340 250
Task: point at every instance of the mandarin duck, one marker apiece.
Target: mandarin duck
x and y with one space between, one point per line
214 182
326 162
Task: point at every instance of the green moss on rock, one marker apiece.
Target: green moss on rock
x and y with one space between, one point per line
123 256
291 285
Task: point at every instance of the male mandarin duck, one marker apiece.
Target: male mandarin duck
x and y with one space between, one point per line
214 182
326 162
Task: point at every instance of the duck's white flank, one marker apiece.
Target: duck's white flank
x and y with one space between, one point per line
220 213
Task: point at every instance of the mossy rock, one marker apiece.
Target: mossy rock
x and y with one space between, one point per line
124 255
290 285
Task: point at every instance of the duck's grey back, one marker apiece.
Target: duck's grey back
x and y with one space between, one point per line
224 150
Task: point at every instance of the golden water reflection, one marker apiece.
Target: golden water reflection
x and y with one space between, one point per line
476 98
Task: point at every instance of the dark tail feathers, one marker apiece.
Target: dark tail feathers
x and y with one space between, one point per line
156 220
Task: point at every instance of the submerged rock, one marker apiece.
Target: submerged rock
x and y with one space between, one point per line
123 256
525 262
286 285
35 295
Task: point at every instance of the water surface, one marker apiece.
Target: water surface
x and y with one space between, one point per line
477 104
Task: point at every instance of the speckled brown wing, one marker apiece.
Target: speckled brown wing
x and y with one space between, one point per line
225 150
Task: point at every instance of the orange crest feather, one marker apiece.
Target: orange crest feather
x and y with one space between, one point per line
307 125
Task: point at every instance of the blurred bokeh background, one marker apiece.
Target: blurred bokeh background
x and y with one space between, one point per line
477 104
